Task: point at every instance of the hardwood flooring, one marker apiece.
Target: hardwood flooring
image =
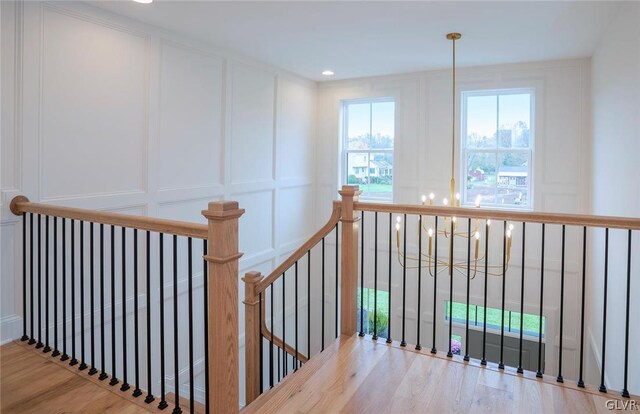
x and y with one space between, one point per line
34 383
358 375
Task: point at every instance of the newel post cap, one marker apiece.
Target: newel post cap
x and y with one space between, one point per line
15 207
223 210
349 191
252 277
251 280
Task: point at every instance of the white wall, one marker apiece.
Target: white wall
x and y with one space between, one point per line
616 191
422 164
102 112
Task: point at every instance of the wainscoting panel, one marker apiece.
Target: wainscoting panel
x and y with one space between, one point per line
93 107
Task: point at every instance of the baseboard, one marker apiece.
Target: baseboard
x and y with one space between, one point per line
10 328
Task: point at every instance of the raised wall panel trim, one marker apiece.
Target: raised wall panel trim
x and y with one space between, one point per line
177 195
252 187
142 169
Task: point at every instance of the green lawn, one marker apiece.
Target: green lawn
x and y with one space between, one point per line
530 324
376 188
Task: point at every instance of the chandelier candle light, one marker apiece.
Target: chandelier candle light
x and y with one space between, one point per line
451 229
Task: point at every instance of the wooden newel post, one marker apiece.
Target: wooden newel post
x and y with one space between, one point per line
349 264
222 259
252 335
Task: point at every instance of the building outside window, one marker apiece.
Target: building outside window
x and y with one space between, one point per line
497 148
367 146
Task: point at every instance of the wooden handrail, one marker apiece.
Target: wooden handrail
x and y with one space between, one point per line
21 204
628 223
302 250
266 333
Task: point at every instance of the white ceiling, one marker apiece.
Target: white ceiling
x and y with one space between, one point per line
356 39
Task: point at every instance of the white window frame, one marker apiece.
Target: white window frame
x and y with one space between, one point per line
531 150
344 151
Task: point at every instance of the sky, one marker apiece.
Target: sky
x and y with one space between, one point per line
383 114
481 112
481 115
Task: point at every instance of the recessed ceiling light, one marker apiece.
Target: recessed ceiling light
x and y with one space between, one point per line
143 1
327 72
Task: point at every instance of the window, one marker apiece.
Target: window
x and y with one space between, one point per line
497 148
381 314
367 146
530 324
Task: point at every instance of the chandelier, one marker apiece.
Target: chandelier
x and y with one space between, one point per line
452 227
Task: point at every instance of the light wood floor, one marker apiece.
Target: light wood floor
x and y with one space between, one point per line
357 375
34 383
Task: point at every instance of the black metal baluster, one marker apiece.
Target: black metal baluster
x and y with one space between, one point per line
602 387
486 280
389 340
149 398
74 360
55 352
205 272
32 338
176 368
559 378
284 340
403 342
375 277
466 335
504 283
449 353
584 279
625 390
271 317
24 278
190 281
47 348
64 355
92 370
337 261
136 326
295 338
361 274
83 364
114 374
520 369
419 313
539 372
114 378
39 344
322 300
103 372
125 384
308 306
163 404
435 285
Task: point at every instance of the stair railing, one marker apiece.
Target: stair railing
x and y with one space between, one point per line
437 280
277 308
102 291
434 285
